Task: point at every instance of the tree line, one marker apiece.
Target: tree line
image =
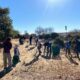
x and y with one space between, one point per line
6 27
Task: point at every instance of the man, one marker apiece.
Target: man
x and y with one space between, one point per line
30 40
7 45
77 48
47 46
68 48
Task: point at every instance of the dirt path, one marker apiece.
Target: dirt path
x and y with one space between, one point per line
42 69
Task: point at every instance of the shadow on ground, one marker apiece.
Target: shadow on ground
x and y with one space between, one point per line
72 60
4 72
48 57
34 60
31 48
26 46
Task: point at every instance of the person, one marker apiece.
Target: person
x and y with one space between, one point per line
77 48
39 46
16 58
47 46
21 40
7 45
30 40
49 49
68 48
36 40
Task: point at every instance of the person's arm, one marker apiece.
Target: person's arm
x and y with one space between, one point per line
1 45
10 45
18 52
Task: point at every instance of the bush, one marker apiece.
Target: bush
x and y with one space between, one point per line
59 42
49 36
54 35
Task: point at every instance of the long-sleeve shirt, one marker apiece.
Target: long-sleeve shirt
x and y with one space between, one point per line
7 46
16 52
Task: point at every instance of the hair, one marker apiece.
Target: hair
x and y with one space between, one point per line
8 39
16 45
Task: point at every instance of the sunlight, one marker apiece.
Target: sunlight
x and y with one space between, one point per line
55 2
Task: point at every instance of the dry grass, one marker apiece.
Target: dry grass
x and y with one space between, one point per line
43 69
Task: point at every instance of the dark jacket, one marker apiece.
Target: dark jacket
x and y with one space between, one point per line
7 46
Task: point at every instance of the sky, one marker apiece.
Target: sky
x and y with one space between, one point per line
27 15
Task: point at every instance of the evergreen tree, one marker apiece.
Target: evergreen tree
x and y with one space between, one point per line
5 24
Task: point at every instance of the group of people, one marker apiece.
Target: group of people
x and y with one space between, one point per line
72 46
51 50
7 60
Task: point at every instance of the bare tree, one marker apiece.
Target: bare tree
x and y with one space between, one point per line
39 30
48 30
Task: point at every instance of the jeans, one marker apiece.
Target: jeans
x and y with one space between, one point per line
7 56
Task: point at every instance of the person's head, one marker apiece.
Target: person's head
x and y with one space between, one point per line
8 39
16 46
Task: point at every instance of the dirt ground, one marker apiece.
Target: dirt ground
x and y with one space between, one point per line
42 69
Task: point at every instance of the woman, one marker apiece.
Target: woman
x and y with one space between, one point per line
16 57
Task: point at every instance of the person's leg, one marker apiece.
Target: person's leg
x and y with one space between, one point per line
50 52
69 53
77 55
66 51
40 49
5 60
50 49
29 42
44 50
47 52
9 60
36 43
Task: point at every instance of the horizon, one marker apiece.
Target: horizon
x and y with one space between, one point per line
28 15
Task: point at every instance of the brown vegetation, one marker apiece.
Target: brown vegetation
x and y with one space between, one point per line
42 69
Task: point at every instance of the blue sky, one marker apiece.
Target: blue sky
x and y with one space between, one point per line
29 14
